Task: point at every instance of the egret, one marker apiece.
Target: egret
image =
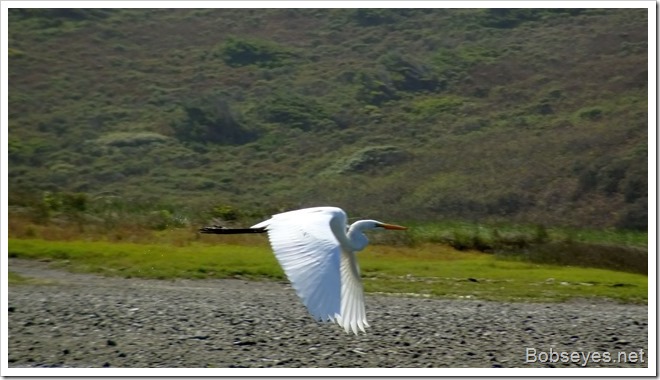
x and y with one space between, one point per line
316 249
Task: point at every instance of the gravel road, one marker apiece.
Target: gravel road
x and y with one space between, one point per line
78 320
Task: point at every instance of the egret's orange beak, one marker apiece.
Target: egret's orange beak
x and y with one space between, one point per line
392 227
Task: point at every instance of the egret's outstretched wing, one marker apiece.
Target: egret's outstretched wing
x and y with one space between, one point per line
309 253
352 314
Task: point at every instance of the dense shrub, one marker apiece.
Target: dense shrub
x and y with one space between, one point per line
371 159
211 120
134 139
616 257
376 87
635 216
297 112
511 17
238 52
374 16
409 74
615 176
63 201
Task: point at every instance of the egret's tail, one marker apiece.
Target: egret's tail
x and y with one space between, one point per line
225 230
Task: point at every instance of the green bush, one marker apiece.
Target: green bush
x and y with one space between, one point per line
212 120
225 212
375 87
616 257
370 159
164 219
430 108
510 17
369 17
121 139
238 52
634 216
590 113
63 201
409 74
295 111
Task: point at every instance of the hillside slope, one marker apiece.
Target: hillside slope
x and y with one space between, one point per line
524 115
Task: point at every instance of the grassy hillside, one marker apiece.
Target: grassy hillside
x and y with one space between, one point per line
519 115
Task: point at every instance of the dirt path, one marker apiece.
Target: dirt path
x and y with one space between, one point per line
76 320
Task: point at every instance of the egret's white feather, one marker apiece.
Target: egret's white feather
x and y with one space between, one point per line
309 254
317 252
323 273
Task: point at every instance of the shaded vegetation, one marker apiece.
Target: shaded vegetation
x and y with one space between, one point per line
242 52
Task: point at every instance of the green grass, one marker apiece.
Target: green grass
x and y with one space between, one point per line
439 271
429 269
152 260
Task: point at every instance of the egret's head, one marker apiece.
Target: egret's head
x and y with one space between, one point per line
390 226
374 224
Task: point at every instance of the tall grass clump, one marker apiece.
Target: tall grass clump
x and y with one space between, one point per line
609 249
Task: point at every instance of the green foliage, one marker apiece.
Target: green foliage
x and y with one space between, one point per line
238 52
75 14
370 159
409 74
371 16
225 212
62 201
212 120
15 53
513 17
294 111
462 58
120 139
432 108
519 115
376 87
622 258
590 113
598 249
164 219
626 176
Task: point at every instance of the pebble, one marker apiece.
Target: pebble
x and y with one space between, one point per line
80 320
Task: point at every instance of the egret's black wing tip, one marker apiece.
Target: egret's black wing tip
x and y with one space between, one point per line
224 230
212 229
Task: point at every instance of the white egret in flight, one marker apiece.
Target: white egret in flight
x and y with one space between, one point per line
316 249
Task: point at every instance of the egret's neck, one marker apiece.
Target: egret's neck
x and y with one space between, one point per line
356 237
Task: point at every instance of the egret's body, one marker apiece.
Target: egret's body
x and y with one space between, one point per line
316 249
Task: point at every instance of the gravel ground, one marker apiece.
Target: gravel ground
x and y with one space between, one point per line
77 320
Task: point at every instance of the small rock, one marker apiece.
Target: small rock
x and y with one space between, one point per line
245 343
